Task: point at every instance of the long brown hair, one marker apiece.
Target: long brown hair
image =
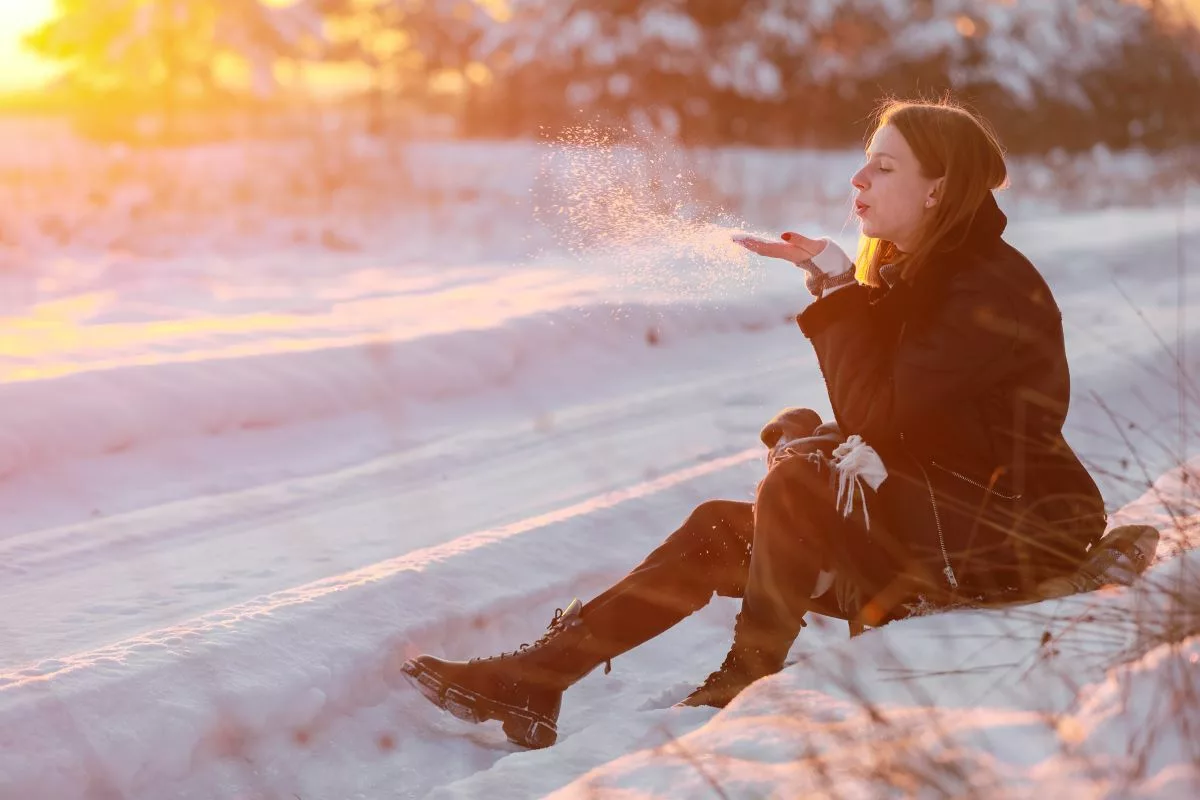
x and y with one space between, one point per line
950 142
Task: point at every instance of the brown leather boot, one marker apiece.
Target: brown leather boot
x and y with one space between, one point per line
523 688
753 655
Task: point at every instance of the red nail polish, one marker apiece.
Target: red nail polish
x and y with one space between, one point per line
787 237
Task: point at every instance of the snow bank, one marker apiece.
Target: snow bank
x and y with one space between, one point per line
107 411
1093 695
1086 697
1131 735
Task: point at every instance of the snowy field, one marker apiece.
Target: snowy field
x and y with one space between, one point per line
253 456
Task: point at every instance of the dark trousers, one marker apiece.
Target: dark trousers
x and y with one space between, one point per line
769 553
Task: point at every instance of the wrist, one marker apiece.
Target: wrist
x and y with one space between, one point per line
832 259
822 284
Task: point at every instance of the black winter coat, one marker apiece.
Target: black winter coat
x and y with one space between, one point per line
960 383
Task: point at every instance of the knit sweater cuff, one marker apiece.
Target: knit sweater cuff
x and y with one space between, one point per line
832 260
824 311
828 290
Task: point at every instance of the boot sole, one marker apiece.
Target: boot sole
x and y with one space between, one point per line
521 726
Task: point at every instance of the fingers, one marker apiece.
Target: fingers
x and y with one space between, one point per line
810 246
797 238
769 249
793 247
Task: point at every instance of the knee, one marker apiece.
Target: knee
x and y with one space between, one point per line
715 524
713 515
789 482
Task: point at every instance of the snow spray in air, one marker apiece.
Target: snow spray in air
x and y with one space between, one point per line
635 207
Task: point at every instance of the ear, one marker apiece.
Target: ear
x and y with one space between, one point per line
935 192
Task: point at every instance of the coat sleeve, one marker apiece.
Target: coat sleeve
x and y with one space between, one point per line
878 390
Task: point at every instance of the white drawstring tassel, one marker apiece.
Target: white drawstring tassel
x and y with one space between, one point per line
856 462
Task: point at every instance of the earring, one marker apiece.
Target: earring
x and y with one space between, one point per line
929 203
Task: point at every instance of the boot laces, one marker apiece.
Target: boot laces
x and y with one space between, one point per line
730 666
552 630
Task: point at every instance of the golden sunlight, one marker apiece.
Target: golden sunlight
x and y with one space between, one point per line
22 70
19 68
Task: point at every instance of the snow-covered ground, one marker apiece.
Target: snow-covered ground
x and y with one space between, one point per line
242 484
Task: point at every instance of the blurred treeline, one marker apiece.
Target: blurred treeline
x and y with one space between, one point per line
1049 73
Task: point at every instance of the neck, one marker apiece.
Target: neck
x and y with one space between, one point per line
913 237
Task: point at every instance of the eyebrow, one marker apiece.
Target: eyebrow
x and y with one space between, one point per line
881 155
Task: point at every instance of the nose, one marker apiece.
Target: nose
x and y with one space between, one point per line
858 180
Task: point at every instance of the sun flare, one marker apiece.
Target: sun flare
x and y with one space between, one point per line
19 68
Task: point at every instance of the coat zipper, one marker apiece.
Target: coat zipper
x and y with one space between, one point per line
937 520
987 489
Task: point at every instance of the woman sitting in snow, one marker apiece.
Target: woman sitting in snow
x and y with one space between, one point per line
942 351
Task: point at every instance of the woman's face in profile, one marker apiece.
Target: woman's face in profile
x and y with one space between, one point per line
893 196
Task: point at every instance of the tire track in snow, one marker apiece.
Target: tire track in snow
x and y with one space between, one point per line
417 560
300 676
90 584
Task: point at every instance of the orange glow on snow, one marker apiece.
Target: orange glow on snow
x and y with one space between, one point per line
62 336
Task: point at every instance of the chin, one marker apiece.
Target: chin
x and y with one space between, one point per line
873 230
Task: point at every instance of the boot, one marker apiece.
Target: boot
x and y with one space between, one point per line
1119 558
523 688
753 655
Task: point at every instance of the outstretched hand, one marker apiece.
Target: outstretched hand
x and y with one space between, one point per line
793 247
815 256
